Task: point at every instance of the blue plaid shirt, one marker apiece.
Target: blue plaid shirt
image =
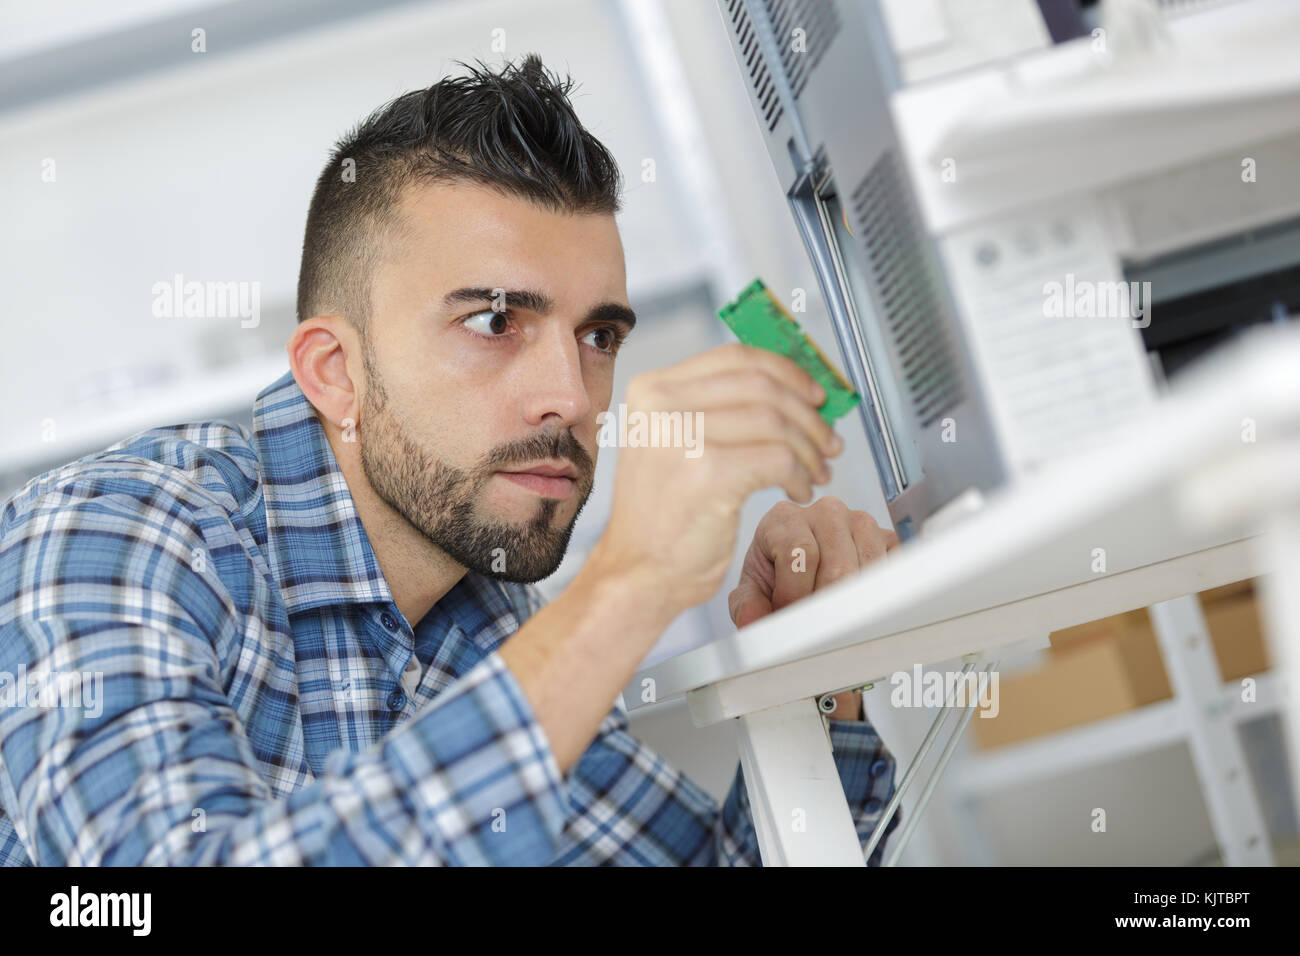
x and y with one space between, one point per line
201 663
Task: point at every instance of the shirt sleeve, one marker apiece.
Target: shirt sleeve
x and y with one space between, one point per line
152 766
630 807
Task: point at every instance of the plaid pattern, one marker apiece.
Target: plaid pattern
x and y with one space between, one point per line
257 703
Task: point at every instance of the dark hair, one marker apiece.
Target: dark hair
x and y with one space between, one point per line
514 131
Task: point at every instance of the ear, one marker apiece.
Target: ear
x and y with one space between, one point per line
325 357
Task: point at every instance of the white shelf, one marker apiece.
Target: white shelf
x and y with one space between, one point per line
169 404
1021 566
1177 504
1113 738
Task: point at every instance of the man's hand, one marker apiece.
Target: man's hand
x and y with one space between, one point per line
672 527
796 551
674 519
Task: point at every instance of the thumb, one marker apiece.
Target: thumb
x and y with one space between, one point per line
748 603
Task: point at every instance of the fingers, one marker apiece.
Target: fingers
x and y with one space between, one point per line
747 603
752 596
753 401
763 424
871 540
765 465
815 546
745 386
752 398
736 357
833 525
785 535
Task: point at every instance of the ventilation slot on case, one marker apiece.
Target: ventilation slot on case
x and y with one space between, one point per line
909 302
769 105
820 22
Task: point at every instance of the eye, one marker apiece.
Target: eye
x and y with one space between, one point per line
611 337
489 323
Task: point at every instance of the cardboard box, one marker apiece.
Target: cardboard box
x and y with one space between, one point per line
1085 685
1244 588
1135 641
1236 631
1113 665
1238 636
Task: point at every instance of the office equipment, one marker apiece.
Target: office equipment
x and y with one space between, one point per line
1181 504
760 320
1018 234
1002 226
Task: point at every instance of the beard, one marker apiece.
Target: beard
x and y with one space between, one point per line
440 500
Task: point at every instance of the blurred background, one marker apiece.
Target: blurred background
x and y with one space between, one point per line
146 139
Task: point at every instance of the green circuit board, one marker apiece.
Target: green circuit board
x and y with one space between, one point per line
759 319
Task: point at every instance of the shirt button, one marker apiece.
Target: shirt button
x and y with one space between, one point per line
396 700
873 805
878 767
388 621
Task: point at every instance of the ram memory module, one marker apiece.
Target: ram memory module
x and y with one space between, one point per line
759 319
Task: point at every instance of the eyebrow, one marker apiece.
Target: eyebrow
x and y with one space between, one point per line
541 303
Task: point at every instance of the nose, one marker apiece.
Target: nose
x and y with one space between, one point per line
555 384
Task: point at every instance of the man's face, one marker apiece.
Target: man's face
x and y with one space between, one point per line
461 396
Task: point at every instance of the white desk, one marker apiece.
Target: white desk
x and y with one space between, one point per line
1176 502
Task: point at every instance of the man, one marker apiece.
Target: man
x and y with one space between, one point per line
320 642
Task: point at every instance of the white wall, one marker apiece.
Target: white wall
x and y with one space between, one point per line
207 171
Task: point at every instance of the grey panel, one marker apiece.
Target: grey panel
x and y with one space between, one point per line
825 114
159 44
912 307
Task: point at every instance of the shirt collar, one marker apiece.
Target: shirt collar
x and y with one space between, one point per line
317 548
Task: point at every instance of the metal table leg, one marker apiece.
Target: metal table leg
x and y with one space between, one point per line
800 812
1216 749
914 768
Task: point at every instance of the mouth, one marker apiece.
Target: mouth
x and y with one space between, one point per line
545 480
